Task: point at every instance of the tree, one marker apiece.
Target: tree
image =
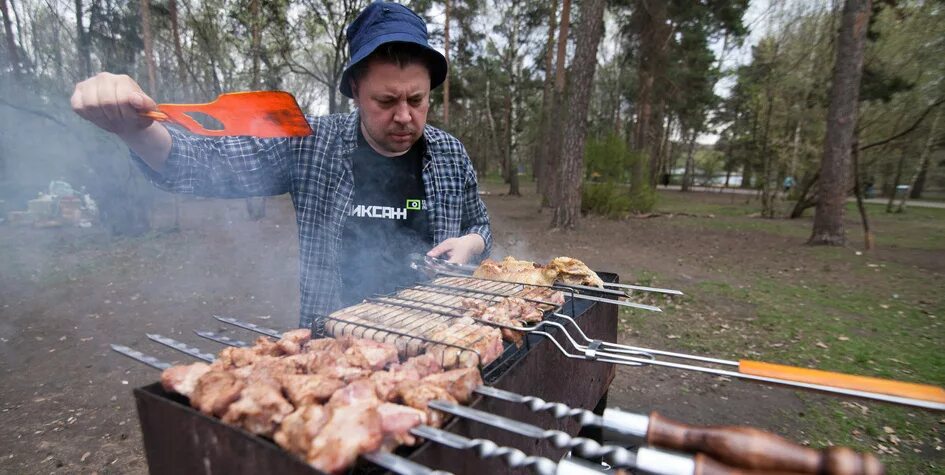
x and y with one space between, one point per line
567 205
841 121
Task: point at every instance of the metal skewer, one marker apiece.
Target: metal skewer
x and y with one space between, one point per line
485 448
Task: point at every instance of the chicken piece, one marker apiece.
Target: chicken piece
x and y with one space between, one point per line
460 383
370 354
512 270
297 430
351 430
325 344
471 338
293 341
425 365
182 379
386 382
263 346
555 298
234 357
396 422
361 391
215 391
307 389
573 271
260 409
418 395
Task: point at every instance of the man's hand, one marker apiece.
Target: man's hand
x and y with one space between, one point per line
459 250
114 103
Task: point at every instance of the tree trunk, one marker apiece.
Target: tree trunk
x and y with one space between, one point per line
690 162
923 161
12 50
896 180
83 46
568 206
544 130
446 52
175 37
559 116
858 191
768 192
805 198
144 9
841 123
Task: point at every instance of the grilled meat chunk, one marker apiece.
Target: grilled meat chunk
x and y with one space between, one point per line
418 395
307 389
297 430
512 270
573 271
215 391
460 383
467 335
370 354
182 379
233 357
396 422
260 409
386 382
354 427
424 364
325 344
293 341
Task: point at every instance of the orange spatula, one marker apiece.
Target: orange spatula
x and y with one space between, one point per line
265 114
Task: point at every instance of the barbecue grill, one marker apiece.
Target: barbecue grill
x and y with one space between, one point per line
179 439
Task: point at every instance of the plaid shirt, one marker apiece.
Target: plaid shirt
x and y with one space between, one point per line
316 171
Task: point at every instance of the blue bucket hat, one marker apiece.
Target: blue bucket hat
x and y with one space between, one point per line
384 22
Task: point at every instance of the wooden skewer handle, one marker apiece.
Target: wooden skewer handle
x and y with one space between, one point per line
754 449
923 392
704 465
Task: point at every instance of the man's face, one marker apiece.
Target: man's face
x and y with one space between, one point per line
394 102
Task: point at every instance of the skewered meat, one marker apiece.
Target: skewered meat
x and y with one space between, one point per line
466 335
265 347
354 427
573 271
325 344
512 270
307 389
561 269
460 383
259 409
297 430
370 354
396 422
293 341
554 297
386 382
424 364
182 379
215 391
418 395
233 357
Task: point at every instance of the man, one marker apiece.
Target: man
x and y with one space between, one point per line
369 187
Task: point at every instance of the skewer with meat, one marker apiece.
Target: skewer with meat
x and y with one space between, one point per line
566 270
475 344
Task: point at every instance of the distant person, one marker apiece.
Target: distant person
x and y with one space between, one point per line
869 189
664 179
369 187
788 184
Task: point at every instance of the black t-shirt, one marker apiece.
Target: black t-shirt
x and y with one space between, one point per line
387 222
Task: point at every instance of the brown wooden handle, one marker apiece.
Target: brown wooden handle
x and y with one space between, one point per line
754 449
705 465
891 387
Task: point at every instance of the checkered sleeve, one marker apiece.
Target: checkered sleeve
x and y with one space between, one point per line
223 167
475 216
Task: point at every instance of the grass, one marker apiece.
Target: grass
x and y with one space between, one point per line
917 228
849 313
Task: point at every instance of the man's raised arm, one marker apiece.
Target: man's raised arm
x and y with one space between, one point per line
115 103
